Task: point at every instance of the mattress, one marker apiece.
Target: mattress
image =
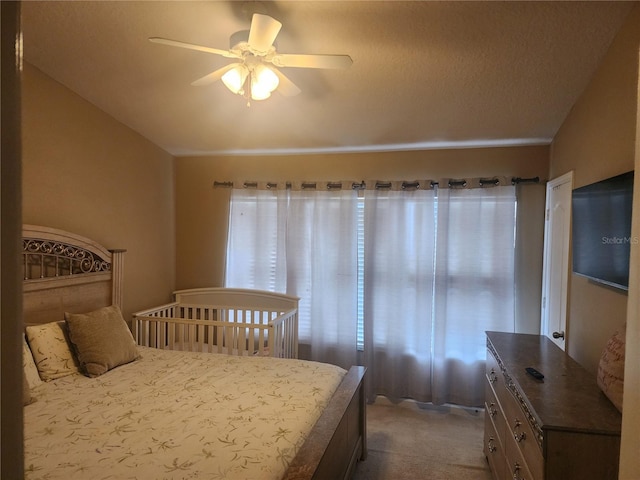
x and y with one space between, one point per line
177 415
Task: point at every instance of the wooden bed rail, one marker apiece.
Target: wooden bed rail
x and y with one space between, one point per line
338 440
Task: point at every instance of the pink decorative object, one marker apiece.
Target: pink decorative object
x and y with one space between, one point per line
611 368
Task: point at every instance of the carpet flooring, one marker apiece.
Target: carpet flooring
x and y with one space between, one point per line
409 440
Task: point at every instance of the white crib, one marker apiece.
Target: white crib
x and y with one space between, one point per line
222 320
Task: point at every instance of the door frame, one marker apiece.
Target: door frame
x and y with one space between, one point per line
11 328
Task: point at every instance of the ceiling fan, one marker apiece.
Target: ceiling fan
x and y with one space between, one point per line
254 75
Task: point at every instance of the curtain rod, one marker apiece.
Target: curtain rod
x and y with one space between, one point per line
451 183
518 180
329 185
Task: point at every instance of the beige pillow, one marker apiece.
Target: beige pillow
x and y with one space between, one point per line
29 368
51 351
102 340
611 368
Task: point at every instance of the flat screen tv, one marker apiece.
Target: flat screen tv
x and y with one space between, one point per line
601 236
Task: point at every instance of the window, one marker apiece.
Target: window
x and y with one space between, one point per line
409 279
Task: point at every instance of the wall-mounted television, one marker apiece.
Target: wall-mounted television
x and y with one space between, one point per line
601 236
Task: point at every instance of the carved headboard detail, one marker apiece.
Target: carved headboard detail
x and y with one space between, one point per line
66 272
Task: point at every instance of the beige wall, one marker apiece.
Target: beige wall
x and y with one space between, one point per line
201 210
89 174
596 141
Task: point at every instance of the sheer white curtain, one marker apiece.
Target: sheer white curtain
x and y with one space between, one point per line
301 242
437 271
322 271
256 249
474 286
399 238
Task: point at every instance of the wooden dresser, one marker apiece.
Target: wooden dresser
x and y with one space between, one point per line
560 428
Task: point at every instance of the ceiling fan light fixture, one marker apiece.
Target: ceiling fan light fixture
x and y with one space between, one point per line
253 49
265 77
258 93
235 78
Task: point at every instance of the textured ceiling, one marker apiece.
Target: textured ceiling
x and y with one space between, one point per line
424 74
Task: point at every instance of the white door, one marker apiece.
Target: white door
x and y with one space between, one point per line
555 269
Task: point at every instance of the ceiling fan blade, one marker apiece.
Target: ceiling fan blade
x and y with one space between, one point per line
286 87
263 32
213 76
312 61
191 46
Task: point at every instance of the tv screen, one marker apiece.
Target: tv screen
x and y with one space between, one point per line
601 237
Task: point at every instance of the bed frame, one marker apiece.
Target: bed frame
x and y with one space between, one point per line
234 321
65 272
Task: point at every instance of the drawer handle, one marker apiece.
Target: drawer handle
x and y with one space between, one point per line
493 378
519 436
516 472
492 410
491 445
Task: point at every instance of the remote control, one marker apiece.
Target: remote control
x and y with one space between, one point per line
534 373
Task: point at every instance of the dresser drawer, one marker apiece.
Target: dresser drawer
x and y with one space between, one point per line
523 435
495 376
494 412
493 449
516 467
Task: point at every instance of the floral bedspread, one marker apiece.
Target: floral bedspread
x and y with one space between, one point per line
177 415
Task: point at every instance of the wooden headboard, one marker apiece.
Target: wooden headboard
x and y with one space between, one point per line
65 272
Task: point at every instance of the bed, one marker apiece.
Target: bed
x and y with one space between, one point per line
145 412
